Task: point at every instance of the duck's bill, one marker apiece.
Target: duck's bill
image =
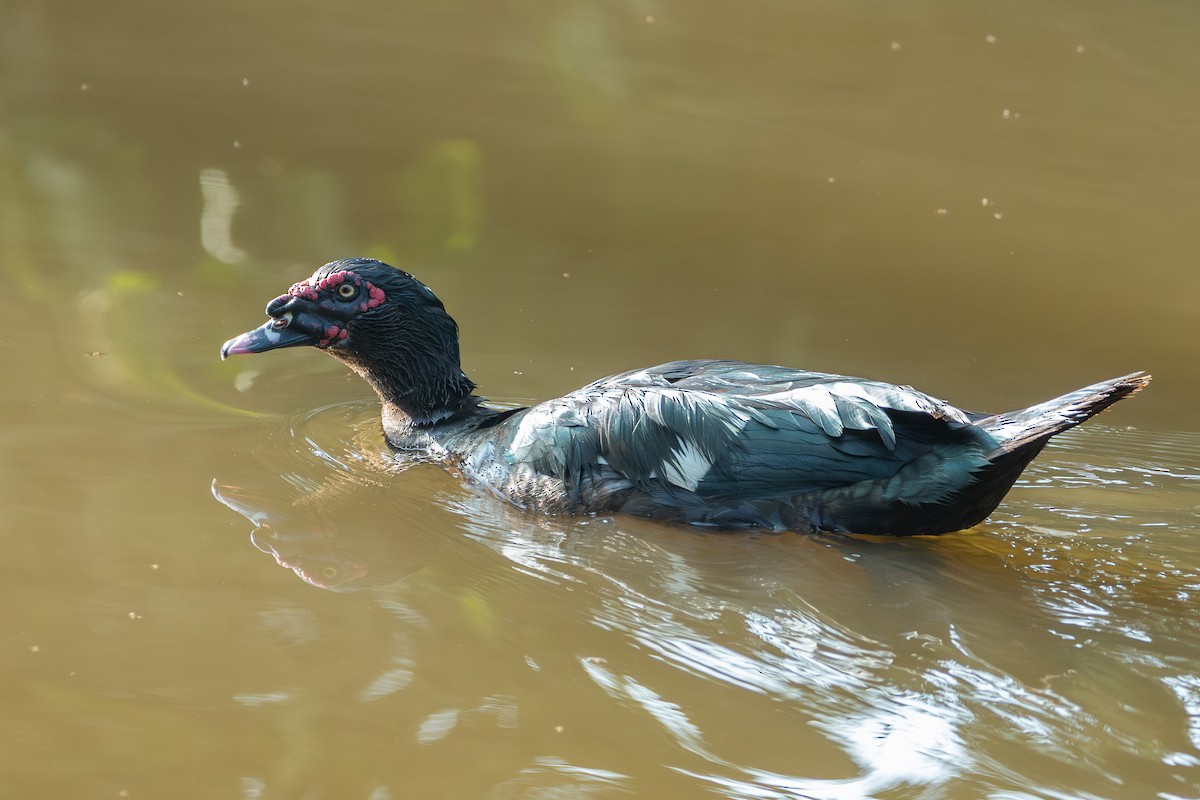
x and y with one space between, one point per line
264 338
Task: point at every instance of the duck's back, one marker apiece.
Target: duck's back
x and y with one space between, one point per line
734 444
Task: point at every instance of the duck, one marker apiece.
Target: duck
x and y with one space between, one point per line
714 443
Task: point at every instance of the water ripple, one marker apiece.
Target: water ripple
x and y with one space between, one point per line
1037 657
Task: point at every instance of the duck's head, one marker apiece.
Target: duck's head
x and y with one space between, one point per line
383 323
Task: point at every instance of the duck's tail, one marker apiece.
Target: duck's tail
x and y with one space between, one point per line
1019 430
1020 436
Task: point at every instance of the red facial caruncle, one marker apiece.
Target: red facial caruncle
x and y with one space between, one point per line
305 290
340 296
376 297
333 333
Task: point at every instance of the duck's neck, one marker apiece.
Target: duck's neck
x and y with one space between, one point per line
417 395
411 360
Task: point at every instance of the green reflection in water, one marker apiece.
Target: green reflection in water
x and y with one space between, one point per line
442 196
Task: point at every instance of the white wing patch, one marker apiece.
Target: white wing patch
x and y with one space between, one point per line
525 439
686 466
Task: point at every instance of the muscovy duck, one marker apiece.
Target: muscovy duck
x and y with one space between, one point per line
718 443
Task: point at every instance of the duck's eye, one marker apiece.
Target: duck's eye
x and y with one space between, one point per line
347 291
282 322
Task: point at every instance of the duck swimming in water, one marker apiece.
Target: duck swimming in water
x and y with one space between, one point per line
718 443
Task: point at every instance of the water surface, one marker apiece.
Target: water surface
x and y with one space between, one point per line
993 203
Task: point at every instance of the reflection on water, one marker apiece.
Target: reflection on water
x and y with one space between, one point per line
216 220
991 659
340 533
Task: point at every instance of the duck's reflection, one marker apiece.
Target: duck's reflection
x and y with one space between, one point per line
330 513
343 556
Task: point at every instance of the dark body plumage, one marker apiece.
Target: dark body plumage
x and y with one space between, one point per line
720 443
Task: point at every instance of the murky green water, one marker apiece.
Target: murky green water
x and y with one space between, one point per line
995 203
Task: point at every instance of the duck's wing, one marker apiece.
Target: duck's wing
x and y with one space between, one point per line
728 428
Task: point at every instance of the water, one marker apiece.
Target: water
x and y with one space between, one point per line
994 204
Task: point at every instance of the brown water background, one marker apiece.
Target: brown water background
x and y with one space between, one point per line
995 202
